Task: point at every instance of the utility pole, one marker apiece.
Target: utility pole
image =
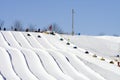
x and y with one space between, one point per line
119 49
72 22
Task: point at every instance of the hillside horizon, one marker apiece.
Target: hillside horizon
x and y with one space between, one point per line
53 56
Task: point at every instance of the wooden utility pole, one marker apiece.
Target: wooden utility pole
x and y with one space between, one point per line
72 21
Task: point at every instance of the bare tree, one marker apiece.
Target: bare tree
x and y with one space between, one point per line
32 27
18 26
44 29
116 35
1 24
102 34
56 28
53 27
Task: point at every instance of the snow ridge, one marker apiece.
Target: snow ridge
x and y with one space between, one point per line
41 56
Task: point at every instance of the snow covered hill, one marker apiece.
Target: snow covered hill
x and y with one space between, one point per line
43 56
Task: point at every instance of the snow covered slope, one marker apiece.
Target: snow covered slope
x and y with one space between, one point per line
41 56
101 45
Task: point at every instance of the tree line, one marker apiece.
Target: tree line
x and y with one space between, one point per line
17 26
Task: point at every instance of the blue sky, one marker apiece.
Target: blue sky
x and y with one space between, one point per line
92 17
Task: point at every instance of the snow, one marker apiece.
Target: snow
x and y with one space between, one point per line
6 67
1 78
110 38
96 45
29 57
